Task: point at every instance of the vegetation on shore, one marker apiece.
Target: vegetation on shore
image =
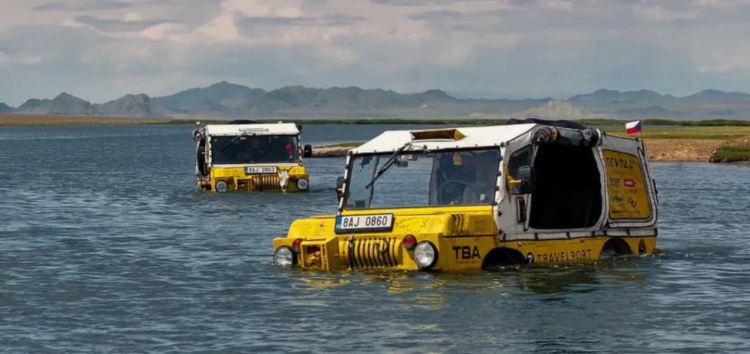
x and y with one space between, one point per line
731 154
686 132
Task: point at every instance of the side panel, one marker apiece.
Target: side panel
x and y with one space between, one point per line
626 187
630 188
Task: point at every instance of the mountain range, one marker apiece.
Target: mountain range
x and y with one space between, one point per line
226 100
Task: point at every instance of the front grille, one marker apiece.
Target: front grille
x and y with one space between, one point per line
260 184
372 252
270 183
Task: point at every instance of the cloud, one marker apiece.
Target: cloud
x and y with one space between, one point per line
325 21
82 5
4 60
104 49
130 24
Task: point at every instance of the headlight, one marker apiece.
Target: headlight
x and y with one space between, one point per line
303 184
283 257
221 186
425 255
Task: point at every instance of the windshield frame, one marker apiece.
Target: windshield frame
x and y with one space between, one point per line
417 151
211 147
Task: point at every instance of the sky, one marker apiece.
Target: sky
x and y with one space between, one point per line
100 50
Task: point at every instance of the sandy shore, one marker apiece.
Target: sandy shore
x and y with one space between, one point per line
46 119
685 150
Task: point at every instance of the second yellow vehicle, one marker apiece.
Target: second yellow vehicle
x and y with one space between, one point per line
243 156
480 197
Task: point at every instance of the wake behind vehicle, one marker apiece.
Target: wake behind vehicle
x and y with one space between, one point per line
480 197
250 157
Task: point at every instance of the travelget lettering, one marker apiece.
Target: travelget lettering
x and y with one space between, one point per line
619 163
571 256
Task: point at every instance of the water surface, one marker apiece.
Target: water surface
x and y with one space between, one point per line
106 246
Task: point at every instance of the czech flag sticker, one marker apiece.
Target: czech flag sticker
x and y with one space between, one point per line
633 127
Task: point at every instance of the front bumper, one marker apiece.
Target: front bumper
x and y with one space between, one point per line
236 179
340 253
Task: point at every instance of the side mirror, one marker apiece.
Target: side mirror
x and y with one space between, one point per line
307 152
524 184
198 134
339 187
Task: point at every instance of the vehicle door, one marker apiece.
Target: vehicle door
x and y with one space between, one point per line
631 193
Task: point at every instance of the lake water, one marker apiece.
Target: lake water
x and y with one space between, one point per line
107 246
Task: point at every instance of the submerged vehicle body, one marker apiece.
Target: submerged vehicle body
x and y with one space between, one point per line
481 197
250 157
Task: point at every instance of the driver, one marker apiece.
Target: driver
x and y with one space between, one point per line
480 181
468 178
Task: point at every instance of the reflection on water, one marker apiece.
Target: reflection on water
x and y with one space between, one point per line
107 246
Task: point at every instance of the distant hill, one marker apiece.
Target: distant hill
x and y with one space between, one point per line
63 104
215 98
606 97
556 110
4 108
707 104
232 101
715 95
227 100
651 111
127 106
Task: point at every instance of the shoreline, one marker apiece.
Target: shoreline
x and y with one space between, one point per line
27 120
32 119
721 141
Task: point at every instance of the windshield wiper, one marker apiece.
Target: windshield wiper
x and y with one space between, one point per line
390 162
232 142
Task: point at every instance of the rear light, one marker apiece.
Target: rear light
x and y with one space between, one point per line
409 242
296 244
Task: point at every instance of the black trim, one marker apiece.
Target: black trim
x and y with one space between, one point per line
550 123
572 238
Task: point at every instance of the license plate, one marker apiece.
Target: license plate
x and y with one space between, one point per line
259 170
364 223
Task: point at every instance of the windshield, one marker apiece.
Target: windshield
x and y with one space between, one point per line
424 179
228 150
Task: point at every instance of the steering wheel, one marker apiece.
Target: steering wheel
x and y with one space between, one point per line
458 181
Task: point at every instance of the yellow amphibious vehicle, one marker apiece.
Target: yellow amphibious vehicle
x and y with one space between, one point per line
468 198
250 157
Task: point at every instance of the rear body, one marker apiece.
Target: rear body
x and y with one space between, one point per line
473 198
251 158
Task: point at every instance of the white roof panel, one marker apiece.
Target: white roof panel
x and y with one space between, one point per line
472 137
251 129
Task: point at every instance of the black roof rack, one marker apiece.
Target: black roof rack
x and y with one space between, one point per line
243 121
